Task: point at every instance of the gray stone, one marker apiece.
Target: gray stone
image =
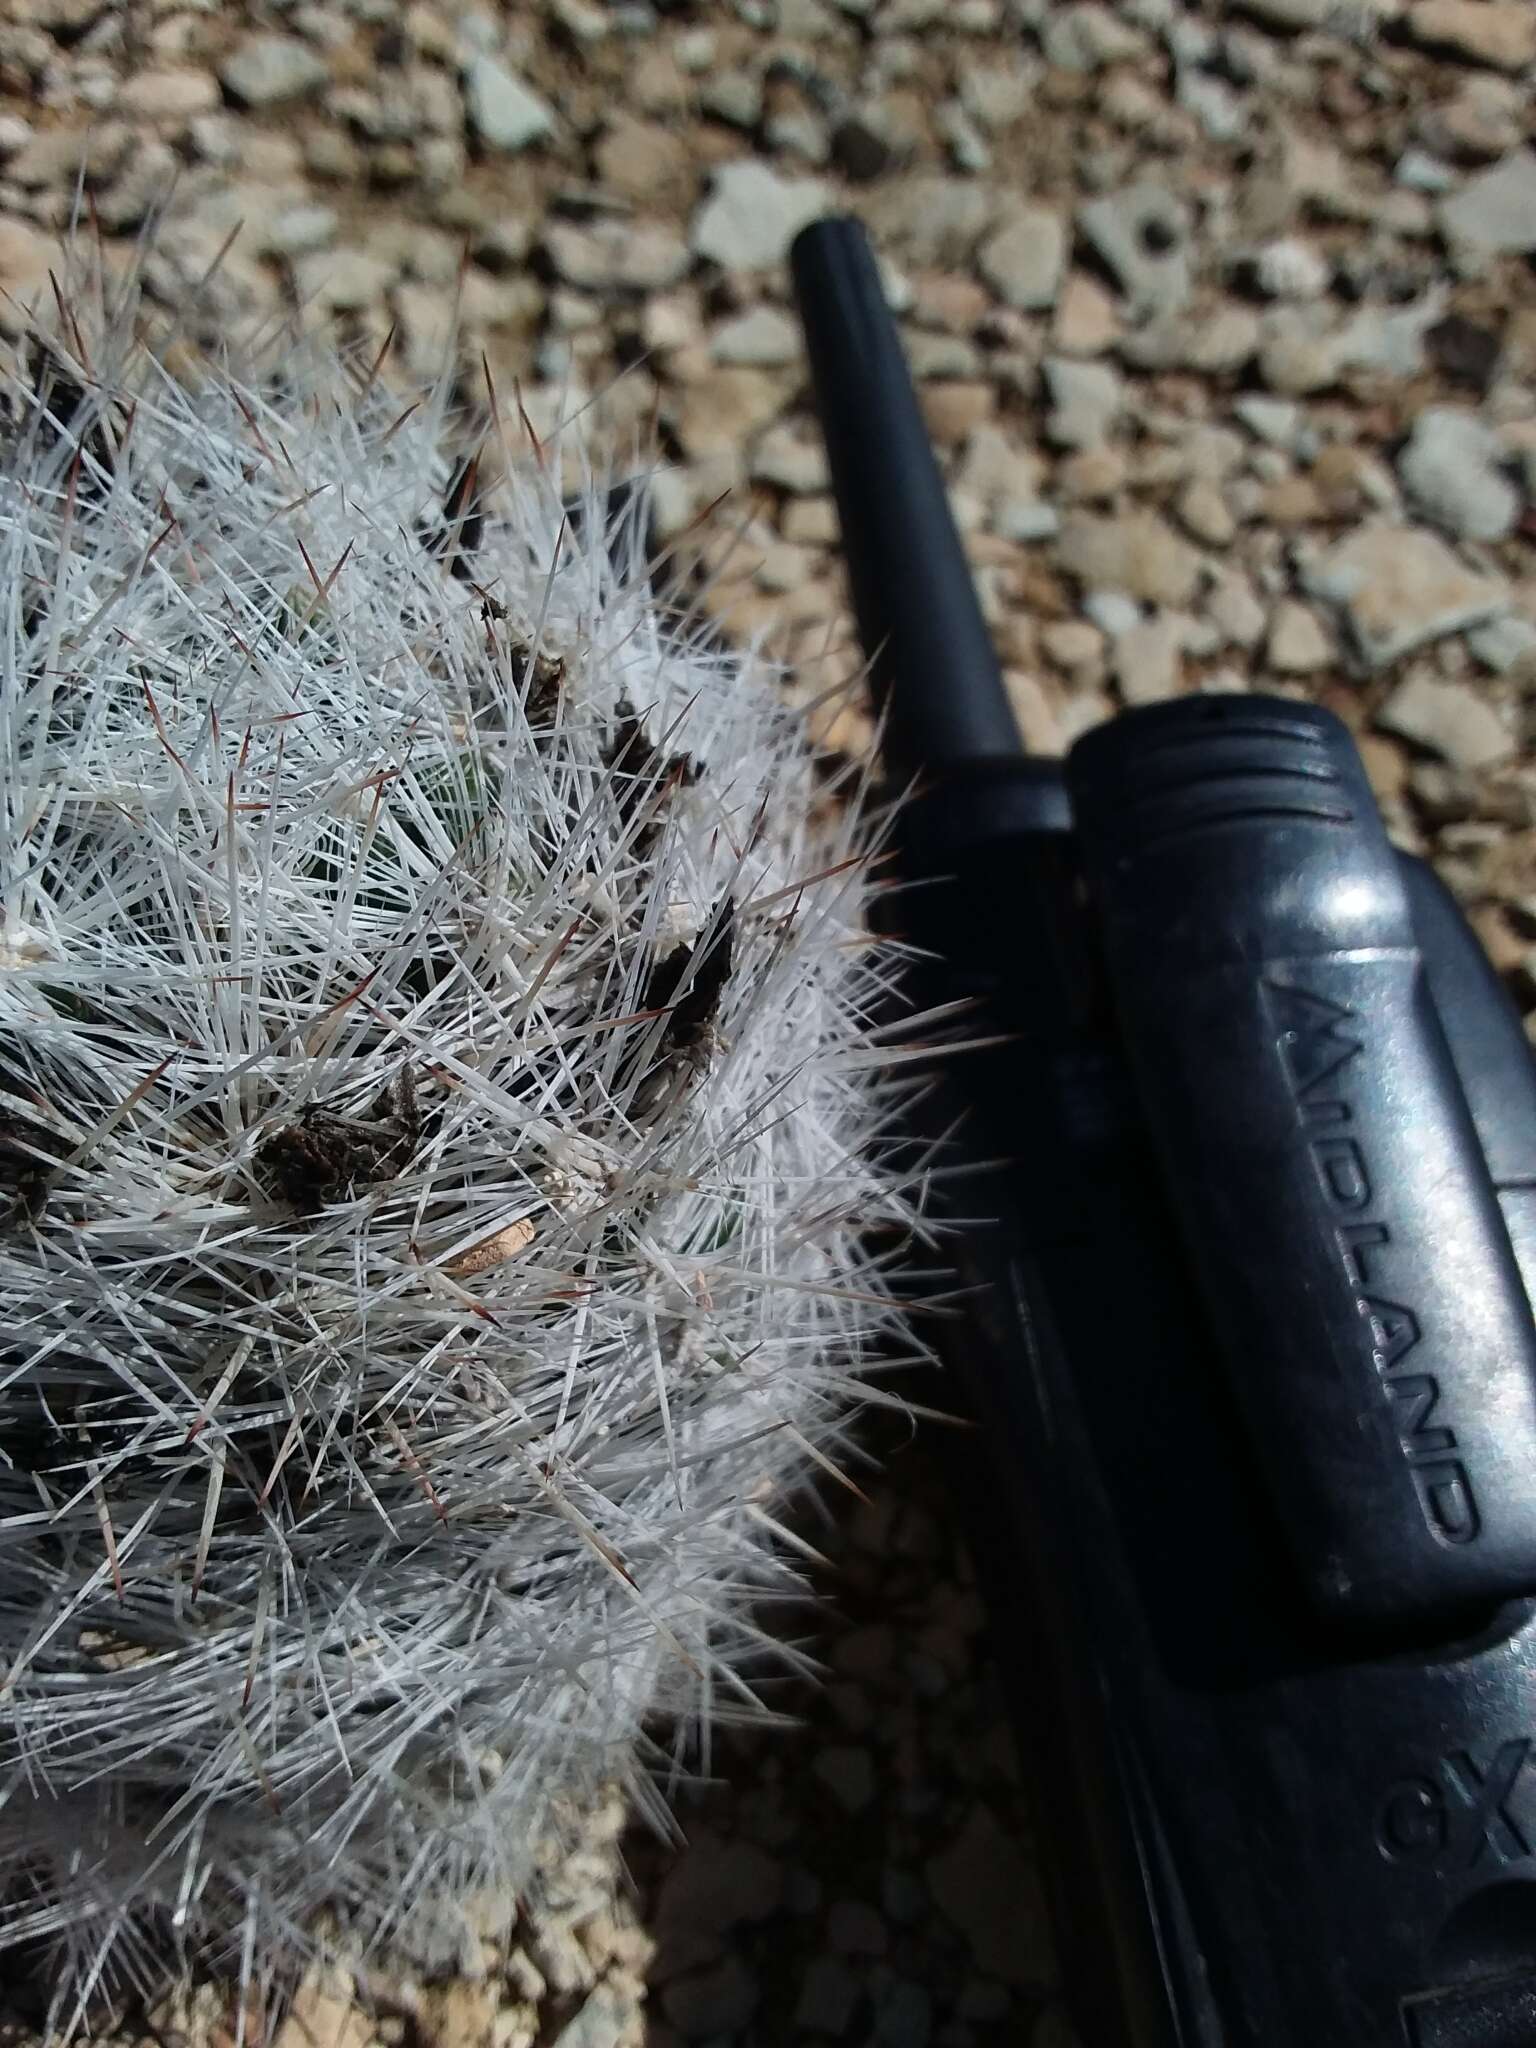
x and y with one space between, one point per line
298 230
1025 519
1276 421
967 146
1450 470
1089 37
1419 171
1496 210
1221 112
1085 401
735 97
1142 233
1024 262
1504 644
1397 588
615 255
753 214
932 219
1388 340
505 113
1449 719
765 337
266 69
1138 553
1291 269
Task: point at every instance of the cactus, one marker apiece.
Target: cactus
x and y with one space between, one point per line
444 1200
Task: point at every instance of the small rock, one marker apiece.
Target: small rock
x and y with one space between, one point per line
1295 362
641 160
168 96
267 69
1138 553
765 338
1398 588
604 2018
1465 350
1291 269
1086 37
1274 420
1498 33
1420 172
324 2014
709 2002
724 409
794 461
1025 519
953 410
848 1774
1204 513
1085 398
1148 660
1482 120
299 230
1142 233
933 220
342 280
1496 210
1023 262
1112 612
1086 322
862 146
990 1892
967 146
1505 644
735 97
1449 469
1452 720
1073 644
614 255
505 113
753 214
1298 644
1233 608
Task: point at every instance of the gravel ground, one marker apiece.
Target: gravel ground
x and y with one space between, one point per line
1225 319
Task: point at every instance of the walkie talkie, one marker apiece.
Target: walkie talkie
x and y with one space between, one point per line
1250 1338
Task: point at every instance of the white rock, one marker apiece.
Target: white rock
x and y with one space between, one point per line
1085 401
1450 719
615 255
1233 607
1024 262
1112 612
1505 644
764 337
1450 470
1397 588
1148 660
1142 233
795 462
266 69
752 215
1298 644
1276 421
506 114
1291 269
1496 210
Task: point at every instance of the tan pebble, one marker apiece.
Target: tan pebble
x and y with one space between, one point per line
953 410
